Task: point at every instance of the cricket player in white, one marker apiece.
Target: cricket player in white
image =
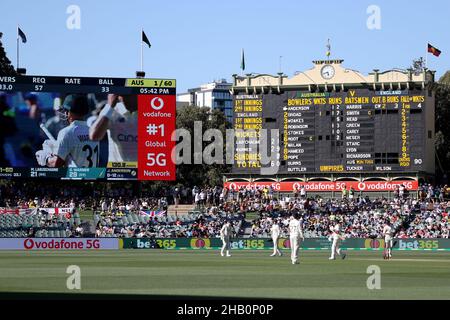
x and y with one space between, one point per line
73 148
118 118
295 236
388 233
225 235
275 232
336 237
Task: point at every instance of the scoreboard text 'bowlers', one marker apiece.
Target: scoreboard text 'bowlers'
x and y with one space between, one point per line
356 130
136 144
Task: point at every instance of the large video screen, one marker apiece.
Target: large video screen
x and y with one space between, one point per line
86 128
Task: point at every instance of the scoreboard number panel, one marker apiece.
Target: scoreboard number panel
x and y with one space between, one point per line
358 130
88 85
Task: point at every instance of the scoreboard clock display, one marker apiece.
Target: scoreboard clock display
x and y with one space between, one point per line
358 130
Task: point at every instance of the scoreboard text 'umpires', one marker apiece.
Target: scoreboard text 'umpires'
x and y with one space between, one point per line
333 120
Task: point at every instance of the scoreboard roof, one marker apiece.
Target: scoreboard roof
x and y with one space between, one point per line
332 75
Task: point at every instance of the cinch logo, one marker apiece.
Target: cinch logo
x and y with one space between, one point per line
198 243
374 243
127 138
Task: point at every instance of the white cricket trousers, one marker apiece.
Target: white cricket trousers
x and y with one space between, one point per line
388 245
335 248
295 246
225 246
275 246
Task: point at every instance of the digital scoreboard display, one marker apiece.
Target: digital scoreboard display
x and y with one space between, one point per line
358 130
87 128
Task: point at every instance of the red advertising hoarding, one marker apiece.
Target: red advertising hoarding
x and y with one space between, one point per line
327 186
156 123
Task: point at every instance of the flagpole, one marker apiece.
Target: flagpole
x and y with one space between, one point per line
426 58
142 50
242 62
17 50
242 54
279 64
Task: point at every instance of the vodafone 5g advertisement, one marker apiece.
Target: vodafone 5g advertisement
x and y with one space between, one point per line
28 244
156 119
328 186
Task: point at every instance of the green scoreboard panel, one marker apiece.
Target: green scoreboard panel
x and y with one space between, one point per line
358 130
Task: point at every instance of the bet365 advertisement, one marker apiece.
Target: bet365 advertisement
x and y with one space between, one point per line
283 243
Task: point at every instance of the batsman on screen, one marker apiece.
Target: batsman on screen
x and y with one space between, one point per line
72 148
70 130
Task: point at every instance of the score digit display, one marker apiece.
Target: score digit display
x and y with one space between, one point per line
358 130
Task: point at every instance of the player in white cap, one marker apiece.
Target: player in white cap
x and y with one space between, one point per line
336 237
295 237
118 118
275 232
55 123
225 235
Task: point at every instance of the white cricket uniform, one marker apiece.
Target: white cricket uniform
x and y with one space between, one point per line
302 192
122 135
275 233
74 146
225 235
336 238
295 236
388 234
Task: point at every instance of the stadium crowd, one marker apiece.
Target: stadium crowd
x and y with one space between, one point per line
425 216
361 219
193 225
122 210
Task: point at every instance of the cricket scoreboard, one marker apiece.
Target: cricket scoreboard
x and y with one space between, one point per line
36 128
352 130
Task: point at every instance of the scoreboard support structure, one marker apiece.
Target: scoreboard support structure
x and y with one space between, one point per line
336 124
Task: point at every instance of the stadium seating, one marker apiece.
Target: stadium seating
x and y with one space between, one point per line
18 226
162 225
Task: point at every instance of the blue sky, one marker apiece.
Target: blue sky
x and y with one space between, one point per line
198 41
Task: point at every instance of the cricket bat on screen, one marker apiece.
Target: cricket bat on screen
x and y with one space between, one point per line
47 133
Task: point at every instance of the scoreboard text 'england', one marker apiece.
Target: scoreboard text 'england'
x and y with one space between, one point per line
336 122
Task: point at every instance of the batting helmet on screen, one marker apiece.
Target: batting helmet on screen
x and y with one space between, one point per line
76 103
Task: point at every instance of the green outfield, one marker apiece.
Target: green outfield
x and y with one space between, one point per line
410 275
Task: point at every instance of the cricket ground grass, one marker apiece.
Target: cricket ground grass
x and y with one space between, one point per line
409 275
